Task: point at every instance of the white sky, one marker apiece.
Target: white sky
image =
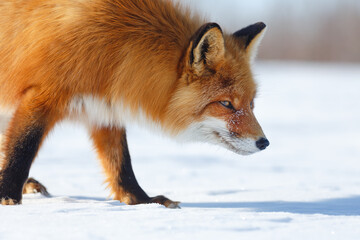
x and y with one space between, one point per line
244 12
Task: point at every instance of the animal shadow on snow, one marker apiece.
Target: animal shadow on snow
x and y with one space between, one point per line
349 206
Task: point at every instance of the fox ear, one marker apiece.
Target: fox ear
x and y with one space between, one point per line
250 38
207 47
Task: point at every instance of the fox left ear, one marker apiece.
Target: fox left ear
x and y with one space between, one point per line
250 38
206 48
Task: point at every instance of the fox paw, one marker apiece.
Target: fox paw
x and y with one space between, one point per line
165 201
9 201
33 186
131 200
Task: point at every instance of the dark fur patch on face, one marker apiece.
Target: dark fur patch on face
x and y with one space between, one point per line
226 82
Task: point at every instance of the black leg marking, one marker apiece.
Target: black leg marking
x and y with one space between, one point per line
130 184
127 177
17 163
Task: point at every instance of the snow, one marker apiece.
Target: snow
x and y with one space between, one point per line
306 185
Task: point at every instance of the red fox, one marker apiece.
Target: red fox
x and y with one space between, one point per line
107 63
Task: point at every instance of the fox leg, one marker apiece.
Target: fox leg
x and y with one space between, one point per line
111 146
28 127
33 186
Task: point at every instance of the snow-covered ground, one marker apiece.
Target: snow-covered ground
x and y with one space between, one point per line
305 186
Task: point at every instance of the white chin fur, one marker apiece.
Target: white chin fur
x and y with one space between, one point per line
214 131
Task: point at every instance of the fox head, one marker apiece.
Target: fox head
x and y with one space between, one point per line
214 98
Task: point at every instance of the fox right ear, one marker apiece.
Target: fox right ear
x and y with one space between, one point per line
250 37
206 48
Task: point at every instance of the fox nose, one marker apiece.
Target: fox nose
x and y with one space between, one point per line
262 143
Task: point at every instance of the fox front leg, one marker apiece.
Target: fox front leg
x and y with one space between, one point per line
112 149
28 127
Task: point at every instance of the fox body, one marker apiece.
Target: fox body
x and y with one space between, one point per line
108 63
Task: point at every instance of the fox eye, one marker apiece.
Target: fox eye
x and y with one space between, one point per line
252 104
227 104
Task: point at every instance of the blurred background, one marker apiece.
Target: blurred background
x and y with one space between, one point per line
307 182
306 30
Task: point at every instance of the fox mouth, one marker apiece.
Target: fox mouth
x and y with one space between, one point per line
230 145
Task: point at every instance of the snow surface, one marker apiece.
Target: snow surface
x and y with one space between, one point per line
305 186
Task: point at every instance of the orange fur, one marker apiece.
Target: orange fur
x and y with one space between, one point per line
98 52
111 158
66 48
133 52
